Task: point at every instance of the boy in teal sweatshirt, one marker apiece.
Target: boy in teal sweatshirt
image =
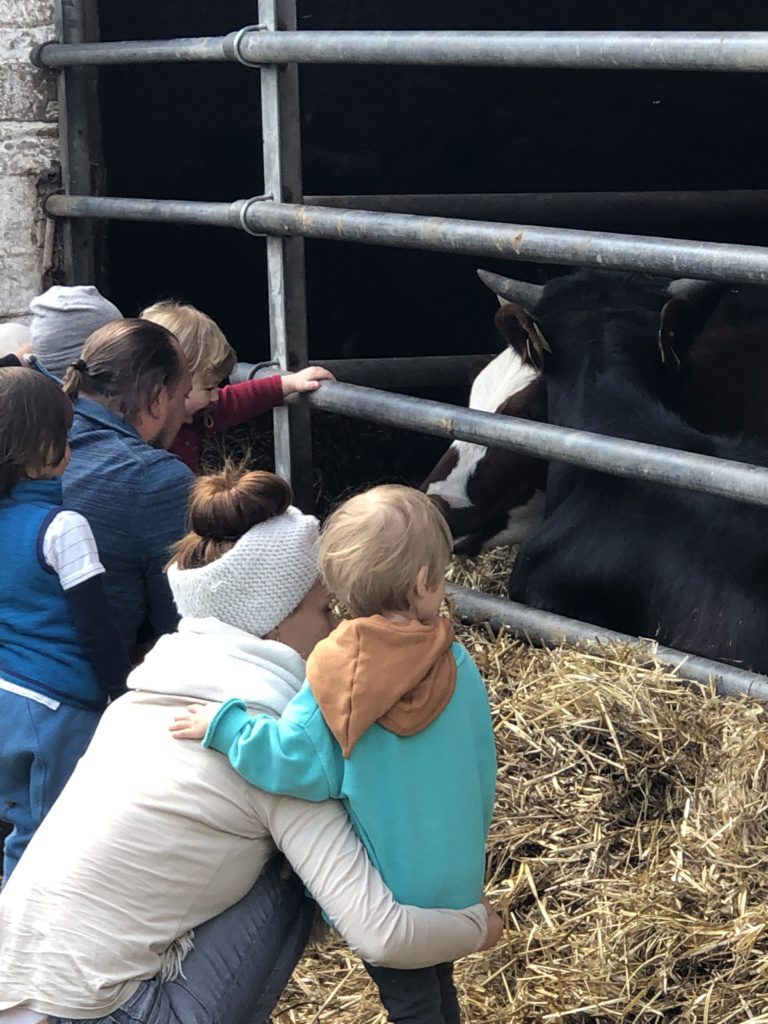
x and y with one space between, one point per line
393 720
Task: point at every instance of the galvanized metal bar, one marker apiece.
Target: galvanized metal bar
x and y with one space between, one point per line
391 372
612 455
608 250
285 255
99 229
719 261
651 51
152 51
550 630
563 208
163 211
271 127
658 51
75 89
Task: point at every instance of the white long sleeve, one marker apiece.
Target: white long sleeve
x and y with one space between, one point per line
325 852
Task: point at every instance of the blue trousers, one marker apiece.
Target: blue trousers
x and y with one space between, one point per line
240 964
39 749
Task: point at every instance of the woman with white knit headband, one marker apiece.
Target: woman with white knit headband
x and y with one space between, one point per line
150 893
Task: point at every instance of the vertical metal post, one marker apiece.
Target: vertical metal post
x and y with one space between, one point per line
281 131
76 88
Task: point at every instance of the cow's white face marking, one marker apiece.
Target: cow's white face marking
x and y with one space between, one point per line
503 377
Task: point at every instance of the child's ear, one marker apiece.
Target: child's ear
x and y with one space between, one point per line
421 586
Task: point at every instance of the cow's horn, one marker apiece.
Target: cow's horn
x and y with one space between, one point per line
525 294
694 290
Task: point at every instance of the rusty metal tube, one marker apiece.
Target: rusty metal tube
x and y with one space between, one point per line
613 455
721 261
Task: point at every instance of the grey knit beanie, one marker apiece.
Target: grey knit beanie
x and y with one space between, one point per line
260 581
63 318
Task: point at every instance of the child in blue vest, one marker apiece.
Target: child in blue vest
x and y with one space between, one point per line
61 657
393 720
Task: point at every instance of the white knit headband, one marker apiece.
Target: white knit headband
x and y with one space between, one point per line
257 584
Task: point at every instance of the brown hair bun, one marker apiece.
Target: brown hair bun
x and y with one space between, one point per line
223 507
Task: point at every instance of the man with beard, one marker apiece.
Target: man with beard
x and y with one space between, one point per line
128 387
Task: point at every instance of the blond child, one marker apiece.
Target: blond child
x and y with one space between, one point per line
393 720
212 409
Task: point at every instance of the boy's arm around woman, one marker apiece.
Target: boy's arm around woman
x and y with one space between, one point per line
295 755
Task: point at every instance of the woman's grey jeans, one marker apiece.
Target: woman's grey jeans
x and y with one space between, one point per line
239 966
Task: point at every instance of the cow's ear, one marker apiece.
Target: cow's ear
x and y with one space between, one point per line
519 329
680 322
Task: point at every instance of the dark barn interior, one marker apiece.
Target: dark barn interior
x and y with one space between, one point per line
192 131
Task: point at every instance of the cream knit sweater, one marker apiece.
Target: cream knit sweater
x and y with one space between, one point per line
152 836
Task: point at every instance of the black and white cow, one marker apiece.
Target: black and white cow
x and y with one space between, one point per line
688 569
492 496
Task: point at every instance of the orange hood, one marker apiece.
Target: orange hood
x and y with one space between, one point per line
401 675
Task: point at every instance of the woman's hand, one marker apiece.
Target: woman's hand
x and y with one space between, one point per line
304 380
495 925
193 723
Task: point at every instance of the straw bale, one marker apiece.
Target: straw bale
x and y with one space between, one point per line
628 852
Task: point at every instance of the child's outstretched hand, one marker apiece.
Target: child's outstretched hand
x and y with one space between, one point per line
193 723
305 380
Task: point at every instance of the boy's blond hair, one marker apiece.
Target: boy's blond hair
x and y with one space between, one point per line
209 354
373 546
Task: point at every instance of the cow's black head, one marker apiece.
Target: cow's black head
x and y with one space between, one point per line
604 331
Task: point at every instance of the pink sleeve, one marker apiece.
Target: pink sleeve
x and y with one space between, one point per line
240 402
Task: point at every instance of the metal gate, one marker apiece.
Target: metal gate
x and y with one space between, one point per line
275 48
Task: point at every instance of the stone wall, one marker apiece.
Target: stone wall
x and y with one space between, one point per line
28 155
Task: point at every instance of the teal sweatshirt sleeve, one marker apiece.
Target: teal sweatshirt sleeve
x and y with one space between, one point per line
295 755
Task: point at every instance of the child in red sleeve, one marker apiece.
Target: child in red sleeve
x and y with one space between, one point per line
210 408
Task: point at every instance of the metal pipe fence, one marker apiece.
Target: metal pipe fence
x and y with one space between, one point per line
162 211
613 455
642 51
550 630
567 209
286 222
399 372
529 243
152 51
678 204
723 261
286 278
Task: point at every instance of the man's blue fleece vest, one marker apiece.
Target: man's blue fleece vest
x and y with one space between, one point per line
38 646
